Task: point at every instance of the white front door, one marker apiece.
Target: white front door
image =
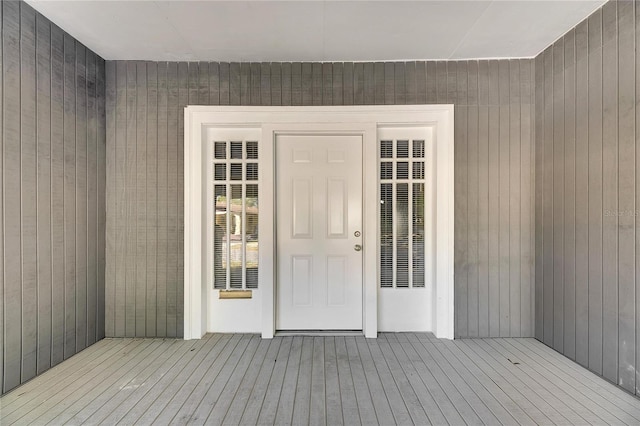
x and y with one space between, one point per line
319 232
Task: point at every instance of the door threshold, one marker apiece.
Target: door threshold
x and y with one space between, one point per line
281 333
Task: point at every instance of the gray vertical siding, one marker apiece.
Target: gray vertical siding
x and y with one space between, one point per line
52 205
586 146
494 182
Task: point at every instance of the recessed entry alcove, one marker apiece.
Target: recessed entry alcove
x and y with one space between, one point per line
319 219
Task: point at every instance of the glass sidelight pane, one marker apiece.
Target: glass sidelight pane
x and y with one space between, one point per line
220 149
235 251
418 149
235 237
252 171
220 237
402 235
236 171
402 239
252 150
236 150
251 236
418 169
417 222
220 171
402 150
386 235
402 171
386 170
386 149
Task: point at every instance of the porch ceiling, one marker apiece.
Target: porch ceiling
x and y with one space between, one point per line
315 30
241 379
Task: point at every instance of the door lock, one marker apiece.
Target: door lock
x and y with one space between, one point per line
357 233
357 247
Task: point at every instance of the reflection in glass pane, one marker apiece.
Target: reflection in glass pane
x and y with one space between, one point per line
236 171
402 232
220 238
220 150
402 149
236 150
220 171
252 171
418 169
235 236
386 235
251 237
252 150
418 149
386 170
417 223
386 149
403 170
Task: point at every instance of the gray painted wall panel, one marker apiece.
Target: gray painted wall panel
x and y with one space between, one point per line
119 207
151 231
2 292
582 195
597 311
162 200
28 192
504 202
527 296
92 242
81 197
538 143
102 177
69 133
43 114
483 198
143 215
626 195
494 194
285 82
472 202
130 228
460 204
610 191
569 160
637 197
558 191
232 86
492 146
515 200
172 190
57 195
47 206
11 192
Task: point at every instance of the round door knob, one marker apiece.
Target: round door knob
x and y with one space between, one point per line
357 247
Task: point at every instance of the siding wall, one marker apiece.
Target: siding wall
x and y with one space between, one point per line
587 187
52 168
493 180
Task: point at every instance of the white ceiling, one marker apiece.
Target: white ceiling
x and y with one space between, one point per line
315 30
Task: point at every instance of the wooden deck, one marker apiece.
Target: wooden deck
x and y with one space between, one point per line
403 378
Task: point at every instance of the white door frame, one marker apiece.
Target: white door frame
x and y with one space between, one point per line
272 120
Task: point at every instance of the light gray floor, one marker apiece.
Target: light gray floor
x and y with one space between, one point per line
399 378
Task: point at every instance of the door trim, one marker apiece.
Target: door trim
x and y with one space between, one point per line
271 120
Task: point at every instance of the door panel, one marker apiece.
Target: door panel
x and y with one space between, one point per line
319 210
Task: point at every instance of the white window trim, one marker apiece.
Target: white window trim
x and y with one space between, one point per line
274 120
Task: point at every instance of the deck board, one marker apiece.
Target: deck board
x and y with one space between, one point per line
399 378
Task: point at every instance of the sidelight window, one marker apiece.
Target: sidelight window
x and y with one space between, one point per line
402 213
235 222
